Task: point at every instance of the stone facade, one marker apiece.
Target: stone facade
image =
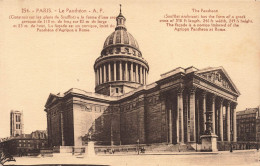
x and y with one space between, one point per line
248 125
126 110
171 110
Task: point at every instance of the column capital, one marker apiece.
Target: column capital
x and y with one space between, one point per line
220 100
213 98
228 102
180 89
234 104
204 94
192 89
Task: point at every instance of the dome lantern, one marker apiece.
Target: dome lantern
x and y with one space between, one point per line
120 20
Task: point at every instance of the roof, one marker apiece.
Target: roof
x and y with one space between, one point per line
248 111
92 95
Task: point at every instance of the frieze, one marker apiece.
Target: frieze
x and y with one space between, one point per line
217 78
210 88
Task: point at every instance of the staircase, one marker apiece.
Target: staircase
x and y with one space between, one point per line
170 148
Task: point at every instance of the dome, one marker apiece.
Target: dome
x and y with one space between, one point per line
121 37
120 68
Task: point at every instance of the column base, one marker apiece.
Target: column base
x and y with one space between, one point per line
90 149
209 143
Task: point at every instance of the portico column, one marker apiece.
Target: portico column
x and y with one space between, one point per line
101 76
109 72
187 111
132 72
213 114
105 73
126 72
192 115
180 110
170 126
228 120
204 110
221 120
234 123
115 71
62 129
120 71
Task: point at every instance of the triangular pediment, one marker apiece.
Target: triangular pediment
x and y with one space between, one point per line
218 76
51 99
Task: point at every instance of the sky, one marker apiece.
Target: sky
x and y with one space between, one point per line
33 64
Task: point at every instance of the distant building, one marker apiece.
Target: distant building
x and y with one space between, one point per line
26 144
16 123
248 124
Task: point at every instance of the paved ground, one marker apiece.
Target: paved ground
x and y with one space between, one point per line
250 157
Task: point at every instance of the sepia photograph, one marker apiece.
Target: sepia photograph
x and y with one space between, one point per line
129 83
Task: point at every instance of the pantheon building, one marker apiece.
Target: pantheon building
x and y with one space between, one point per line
125 109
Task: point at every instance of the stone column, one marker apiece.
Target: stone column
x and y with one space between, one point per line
109 72
97 77
105 73
187 118
126 72
221 120
170 126
234 123
141 74
192 115
228 120
132 72
100 75
115 71
144 76
204 110
136 73
181 117
213 113
62 128
198 119
120 71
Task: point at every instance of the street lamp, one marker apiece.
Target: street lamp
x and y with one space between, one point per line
138 146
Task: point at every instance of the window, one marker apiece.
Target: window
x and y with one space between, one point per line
116 90
18 118
117 50
134 53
